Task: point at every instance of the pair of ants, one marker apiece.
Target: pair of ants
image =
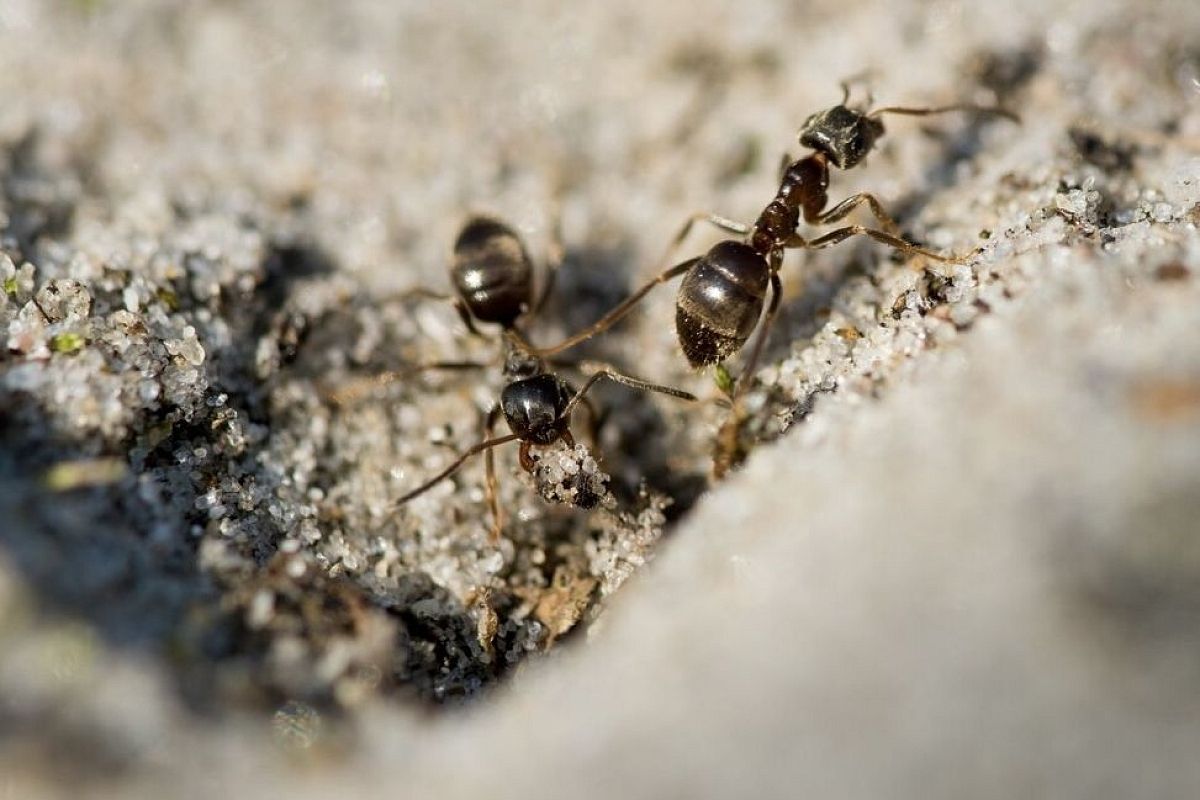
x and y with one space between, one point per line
720 301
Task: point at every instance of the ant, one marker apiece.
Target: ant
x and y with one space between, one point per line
722 294
492 275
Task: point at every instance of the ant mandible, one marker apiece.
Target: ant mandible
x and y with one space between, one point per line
492 275
721 297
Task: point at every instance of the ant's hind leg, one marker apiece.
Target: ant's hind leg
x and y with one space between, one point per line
842 234
843 209
727 225
764 330
729 452
482 447
615 315
626 305
419 292
461 308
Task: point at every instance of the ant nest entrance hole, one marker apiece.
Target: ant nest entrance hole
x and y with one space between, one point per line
328 595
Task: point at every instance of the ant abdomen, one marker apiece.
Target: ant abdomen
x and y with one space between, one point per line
492 272
719 302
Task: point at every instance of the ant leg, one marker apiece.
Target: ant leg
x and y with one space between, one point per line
485 445
595 419
925 112
355 389
727 225
430 294
843 209
526 459
842 234
489 467
418 292
623 308
613 316
606 371
764 329
728 453
467 319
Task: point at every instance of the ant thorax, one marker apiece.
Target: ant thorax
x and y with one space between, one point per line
519 362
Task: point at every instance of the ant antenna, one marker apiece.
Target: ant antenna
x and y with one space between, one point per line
627 380
578 398
863 77
487 444
924 112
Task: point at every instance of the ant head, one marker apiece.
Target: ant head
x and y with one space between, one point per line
843 134
533 408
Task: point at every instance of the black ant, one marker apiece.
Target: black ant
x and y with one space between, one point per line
492 275
721 297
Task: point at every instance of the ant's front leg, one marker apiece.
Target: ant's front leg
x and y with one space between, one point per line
842 234
525 457
843 209
596 418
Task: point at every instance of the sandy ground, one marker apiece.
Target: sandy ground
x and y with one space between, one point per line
961 559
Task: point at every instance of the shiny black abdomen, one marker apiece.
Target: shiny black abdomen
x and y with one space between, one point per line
719 302
492 272
533 408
